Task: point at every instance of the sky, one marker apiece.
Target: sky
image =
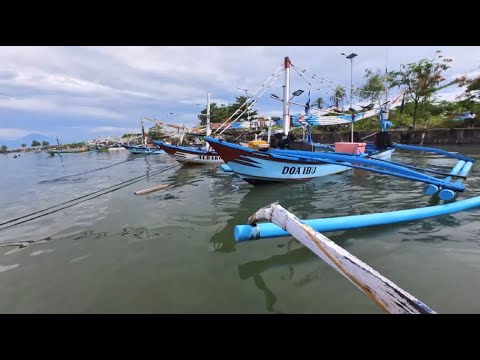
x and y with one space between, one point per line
80 93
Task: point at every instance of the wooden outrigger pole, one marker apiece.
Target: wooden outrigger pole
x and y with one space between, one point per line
379 289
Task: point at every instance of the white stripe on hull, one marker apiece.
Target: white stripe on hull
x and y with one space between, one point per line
196 159
276 171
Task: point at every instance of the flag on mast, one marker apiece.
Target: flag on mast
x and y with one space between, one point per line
307 105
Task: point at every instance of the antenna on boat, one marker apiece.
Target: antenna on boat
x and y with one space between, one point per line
208 130
286 94
386 73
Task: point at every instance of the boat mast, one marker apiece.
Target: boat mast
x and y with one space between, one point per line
208 130
269 133
144 136
286 93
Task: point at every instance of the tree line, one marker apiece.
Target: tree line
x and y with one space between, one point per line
4 148
421 81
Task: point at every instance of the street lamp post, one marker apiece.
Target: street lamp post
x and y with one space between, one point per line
350 57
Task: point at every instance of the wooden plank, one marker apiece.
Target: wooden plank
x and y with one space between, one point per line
379 289
155 188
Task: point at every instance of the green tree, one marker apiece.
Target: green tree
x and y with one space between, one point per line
374 85
421 79
338 96
155 132
320 102
218 114
35 143
472 90
45 143
124 136
239 101
3 149
24 146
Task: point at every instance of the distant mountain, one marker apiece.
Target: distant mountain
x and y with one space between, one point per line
14 144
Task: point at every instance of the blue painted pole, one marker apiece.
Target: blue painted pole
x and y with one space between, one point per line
447 194
321 156
226 168
269 230
431 189
346 160
433 150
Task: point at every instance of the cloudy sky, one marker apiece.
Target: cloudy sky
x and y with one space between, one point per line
79 93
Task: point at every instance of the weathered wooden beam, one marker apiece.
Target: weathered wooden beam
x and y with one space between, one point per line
379 289
155 188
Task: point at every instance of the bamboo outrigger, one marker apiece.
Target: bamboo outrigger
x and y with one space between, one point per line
379 289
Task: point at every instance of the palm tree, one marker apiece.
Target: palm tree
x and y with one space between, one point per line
338 96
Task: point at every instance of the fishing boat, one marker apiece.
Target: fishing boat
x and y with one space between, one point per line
270 165
193 155
68 151
190 155
116 147
143 148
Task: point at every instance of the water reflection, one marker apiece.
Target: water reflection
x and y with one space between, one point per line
173 246
187 176
18 245
254 269
140 233
148 167
241 200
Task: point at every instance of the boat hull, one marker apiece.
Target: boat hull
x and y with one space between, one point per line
190 156
67 151
143 150
258 167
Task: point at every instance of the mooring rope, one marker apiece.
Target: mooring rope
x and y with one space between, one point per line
86 197
269 79
253 103
82 173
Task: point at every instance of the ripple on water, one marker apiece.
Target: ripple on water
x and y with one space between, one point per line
39 252
174 251
8 267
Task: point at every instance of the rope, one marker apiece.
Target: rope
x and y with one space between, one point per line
309 83
104 191
277 72
320 111
81 173
253 103
248 99
313 76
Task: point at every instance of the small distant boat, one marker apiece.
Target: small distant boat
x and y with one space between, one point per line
116 147
141 149
68 151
